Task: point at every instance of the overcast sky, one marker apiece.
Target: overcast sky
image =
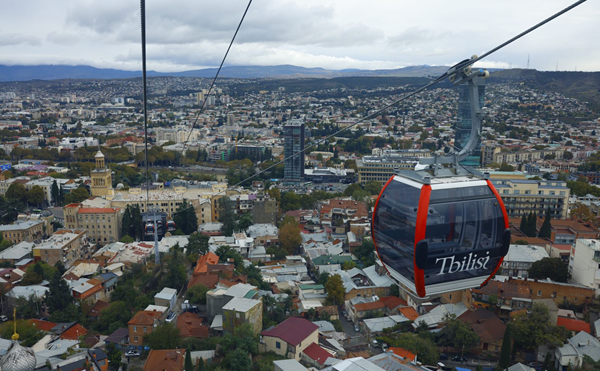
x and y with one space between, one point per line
333 34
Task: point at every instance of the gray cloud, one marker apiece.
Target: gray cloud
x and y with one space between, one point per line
18 39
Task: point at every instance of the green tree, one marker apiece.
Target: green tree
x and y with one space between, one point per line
335 290
127 239
113 317
238 360
197 294
425 349
245 221
458 334
322 278
16 191
348 265
506 167
553 268
188 365
506 350
59 295
546 229
523 225
185 218
197 243
55 192
533 328
365 253
351 189
289 235
164 336
35 196
77 195
28 333
373 187
227 215
201 365
114 355
176 276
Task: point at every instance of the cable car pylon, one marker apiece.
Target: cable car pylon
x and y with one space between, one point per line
443 227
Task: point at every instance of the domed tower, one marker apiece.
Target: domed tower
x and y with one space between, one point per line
18 358
101 178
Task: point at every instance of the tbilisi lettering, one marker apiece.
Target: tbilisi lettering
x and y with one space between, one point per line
469 262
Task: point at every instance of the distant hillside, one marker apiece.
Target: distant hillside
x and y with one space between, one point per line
56 72
581 85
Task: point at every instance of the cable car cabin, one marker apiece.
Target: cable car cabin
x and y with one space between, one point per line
171 226
440 235
149 228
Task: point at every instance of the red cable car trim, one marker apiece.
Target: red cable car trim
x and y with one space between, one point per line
422 212
506 226
373 224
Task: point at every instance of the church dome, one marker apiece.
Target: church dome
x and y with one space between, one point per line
18 358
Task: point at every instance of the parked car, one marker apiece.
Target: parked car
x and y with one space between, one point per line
374 344
3 318
192 309
356 328
443 356
132 353
171 317
458 358
384 347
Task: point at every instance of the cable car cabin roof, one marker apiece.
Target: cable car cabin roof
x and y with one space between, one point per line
441 234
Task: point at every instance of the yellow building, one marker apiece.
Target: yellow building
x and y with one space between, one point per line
101 178
23 230
524 196
103 224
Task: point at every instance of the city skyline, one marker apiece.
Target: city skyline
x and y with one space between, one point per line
183 35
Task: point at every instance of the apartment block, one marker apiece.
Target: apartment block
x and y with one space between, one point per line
23 230
103 224
65 245
523 196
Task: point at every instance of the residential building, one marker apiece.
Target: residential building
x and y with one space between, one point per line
381 168
560 292
165 360
572 353
365 282
264 211
17 252
65 245
167 297
508 296
241 310
140 325
585 263
190 325
293 148
103 224
101 178
23 230
521 197
488 326
290 337
520 258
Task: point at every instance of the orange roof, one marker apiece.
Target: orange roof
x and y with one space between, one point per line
403 353
74 332
203 261
97 210
42 325
573 324
73 205
208 280
409 312
165 360
190 325
374 305
393 302
144 317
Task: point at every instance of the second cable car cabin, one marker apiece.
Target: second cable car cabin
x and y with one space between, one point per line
437 235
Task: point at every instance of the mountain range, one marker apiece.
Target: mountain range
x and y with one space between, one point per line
55 72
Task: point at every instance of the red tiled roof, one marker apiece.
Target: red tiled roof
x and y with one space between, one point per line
485 323
42 325
393 302
403 353
190 325
573 324
374 305
293 330
208 280
74 332
97 210
97 308
165 360
203 261
144 317
317 353
409 312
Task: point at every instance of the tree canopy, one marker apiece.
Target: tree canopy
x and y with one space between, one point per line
335 290
553 268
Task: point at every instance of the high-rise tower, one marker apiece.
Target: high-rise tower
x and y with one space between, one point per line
462 128
293 144
101 178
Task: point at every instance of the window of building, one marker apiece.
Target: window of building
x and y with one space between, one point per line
527 192
505 191
145 330
277 345
134 328
539 292
540 192
552 193
562 193
517 192
135 339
